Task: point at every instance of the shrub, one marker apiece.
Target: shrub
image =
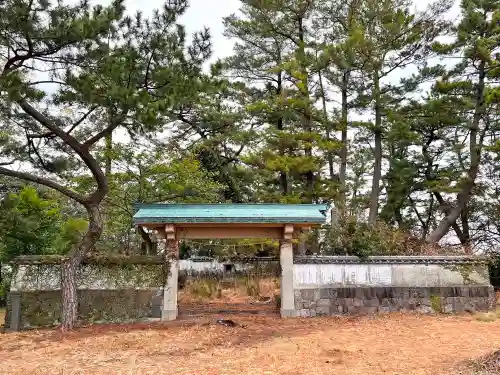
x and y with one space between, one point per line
277 299
204 288
363 240
252 287
4 290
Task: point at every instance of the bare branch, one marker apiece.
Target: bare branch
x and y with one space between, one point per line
49 124
51 134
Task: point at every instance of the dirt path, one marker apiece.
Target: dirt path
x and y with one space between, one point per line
395 344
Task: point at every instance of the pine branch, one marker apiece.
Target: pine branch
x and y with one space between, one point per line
45 182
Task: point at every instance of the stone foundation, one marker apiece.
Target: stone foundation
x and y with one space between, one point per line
371 300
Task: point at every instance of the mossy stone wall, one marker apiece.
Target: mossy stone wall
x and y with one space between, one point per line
108 291
43 308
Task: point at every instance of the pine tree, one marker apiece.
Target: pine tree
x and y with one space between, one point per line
132 82
277 50
394 38
471 85
336 25
257 62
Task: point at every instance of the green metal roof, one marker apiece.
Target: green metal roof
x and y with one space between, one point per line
230 213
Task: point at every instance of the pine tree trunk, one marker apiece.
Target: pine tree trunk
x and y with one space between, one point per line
108 157
69 294
70 266
283 179
465 240
304 91
343 151
105 207
377 169
329 154
475 158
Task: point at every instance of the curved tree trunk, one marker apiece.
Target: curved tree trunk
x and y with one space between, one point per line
475 147
70 265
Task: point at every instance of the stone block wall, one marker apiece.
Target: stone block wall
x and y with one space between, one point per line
325 286
43 308
109 290
371 300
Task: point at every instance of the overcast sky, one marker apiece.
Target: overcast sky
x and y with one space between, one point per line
210 13
201 13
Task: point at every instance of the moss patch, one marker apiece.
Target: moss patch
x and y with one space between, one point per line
43 309
436 303
95 276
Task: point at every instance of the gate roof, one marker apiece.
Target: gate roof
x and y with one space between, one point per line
311 214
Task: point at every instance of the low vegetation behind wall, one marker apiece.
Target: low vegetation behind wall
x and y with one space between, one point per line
211 267
109 289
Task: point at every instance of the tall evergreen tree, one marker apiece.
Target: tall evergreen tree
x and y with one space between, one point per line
471 86
394 39
120 81
283 62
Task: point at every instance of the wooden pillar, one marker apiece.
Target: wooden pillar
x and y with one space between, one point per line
170 309
286 262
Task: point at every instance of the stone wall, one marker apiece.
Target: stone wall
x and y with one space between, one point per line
371 300
109 290
43 308
311 272
349 285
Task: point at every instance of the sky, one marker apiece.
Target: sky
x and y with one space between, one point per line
210 13
200 13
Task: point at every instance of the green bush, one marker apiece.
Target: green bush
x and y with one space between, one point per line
364 240
494 269
6 276
277 299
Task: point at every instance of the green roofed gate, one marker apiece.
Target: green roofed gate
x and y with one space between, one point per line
174 222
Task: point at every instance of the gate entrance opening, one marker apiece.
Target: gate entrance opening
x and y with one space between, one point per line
174 222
